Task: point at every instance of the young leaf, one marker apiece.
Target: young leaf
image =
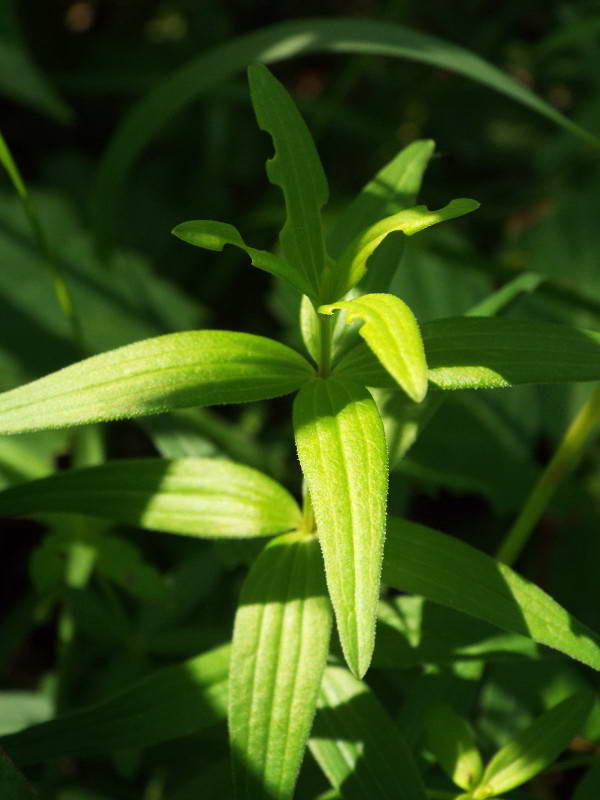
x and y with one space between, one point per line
178 370
341 446
279 651
444 569
296 169
352 264
536 747
357 745
173 702
392 332
215 235
490 353
451 740
193 496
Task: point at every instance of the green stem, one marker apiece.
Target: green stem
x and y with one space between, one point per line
564 461
326 330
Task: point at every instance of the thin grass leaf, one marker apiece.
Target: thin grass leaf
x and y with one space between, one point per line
279 651
451 740
490 353
178 370
392 333
341 446
352 264
173 702
278 42
536 747
296 168
193 496
444 569
357 745
215 235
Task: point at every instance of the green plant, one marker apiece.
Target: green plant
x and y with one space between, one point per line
329 553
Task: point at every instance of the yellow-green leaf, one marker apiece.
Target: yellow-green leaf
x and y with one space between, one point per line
451 740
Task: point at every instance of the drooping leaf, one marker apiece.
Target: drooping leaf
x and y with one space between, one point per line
296 169
341 446
177 370
392 333
193 496
279 651
276 43
352 264
357 745
173 702
444 569
536 747
451 740
489 353
215 235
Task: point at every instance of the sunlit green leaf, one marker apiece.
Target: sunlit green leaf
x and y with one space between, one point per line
392 332
215 235
279 650
489 353
173 702
296 169
451 740
352 264
535 748
341 446
444 569
194 496
173 371
357 745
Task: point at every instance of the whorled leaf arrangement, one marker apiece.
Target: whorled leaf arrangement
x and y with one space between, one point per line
334 548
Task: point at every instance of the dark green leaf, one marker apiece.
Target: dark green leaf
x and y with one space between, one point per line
13 785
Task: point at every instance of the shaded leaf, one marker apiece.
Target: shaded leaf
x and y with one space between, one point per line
193 496
279 651
13 785
173 371
341 446
451 740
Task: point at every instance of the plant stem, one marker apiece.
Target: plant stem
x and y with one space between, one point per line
326 330
564 461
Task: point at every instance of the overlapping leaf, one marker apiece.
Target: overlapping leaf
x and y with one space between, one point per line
341 446
178 370
444 569
279 650
451 740
193 496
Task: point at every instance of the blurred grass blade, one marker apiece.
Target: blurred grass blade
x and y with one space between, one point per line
173 702
357 745
178 370
296 168
451 740
215 235
536 747
278 654
193 496
392 332
341 446
490 353
352 264
275 43
13 785
422 561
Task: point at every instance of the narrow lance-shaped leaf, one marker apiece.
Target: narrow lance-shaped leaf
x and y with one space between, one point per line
536 747
341 446
179 370
193 496
444 569
215 235
392 332
357 745
296 169
451 740
490 353
352 264
279 651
